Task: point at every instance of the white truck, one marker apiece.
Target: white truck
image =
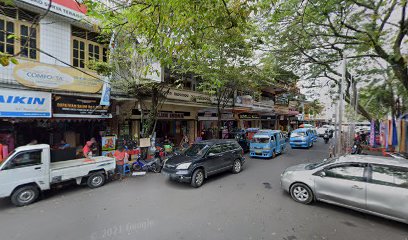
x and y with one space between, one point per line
30 169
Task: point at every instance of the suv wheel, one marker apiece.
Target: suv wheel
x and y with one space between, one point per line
237 166
198 178
301 193
24 195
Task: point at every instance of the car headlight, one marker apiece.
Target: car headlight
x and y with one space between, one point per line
286 173
183 166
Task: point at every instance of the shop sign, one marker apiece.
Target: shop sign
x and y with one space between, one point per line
79 107
248 116
24 104
46 76
167 115
67 8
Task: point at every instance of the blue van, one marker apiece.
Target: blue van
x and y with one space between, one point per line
267 143
314 134
302 137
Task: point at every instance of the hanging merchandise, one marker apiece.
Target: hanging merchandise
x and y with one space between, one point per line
394 133
386 134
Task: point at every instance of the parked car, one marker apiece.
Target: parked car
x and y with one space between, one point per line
30 169
370 184
204 159
267 143
301 137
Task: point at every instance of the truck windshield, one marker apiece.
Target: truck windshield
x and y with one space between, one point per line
261 139
197 150
298 134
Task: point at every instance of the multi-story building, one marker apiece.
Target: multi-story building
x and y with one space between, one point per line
51 94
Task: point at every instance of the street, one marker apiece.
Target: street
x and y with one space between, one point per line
248 205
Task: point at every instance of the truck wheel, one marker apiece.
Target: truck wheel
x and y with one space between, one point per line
24 195
96 180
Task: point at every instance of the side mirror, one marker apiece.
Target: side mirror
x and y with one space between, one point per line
322 174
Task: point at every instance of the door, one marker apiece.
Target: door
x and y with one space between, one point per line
24 167
343 184
228 154
214 159
273 144
387 191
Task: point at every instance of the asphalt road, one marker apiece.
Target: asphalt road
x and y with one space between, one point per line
249 205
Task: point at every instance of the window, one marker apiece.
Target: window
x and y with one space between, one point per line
17 22
216 149
390 176
353 172
25 159
87 47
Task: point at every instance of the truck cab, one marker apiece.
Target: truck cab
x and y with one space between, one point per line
267 143
29 170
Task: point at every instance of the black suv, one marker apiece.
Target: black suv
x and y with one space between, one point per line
203 159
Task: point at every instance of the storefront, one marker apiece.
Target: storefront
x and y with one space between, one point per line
173 121
208 124
249 120
268 121
22 108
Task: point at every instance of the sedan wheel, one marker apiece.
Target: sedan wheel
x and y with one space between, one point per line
301 193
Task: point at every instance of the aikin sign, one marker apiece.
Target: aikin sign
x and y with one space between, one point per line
24 104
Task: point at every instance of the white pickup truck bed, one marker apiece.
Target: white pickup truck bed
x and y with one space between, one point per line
71 169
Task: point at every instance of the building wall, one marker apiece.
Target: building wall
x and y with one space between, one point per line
55 39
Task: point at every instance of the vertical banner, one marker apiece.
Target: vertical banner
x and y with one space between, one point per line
105 97
372 133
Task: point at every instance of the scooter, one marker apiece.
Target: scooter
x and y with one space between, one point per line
155 165
357 149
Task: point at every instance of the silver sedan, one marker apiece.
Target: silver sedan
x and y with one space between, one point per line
370 184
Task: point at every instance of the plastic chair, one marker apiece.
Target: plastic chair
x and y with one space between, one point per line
126 169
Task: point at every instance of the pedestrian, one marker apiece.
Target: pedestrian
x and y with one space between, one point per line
87 150
120 156
95 147
63 144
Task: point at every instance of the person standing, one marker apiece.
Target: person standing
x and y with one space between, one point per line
120 155
87 151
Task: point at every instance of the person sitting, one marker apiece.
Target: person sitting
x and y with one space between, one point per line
33 142
63 145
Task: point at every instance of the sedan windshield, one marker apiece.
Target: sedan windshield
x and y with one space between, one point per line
197 150
298 134
320 164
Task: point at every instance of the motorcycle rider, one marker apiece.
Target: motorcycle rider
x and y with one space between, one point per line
326 136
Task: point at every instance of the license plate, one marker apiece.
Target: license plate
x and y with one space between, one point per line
258 151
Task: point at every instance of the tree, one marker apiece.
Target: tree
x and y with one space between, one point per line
194 36
317 34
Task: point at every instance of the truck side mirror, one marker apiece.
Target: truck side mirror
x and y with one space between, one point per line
322 174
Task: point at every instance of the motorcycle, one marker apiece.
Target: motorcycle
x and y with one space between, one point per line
357 149
154 165
326 138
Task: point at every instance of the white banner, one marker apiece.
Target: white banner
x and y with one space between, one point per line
24 104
